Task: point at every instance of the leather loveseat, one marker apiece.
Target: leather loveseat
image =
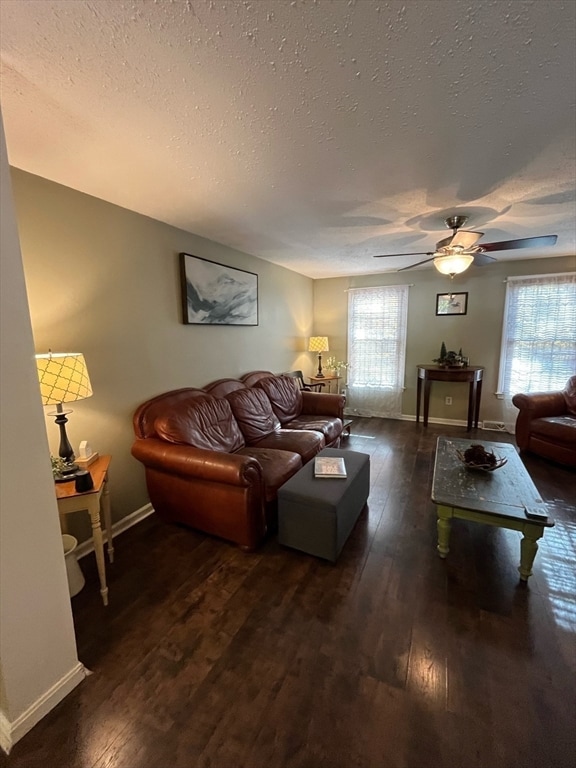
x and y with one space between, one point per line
546 423
215 457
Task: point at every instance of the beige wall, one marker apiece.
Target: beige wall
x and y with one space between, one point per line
38 662
105 281
478 332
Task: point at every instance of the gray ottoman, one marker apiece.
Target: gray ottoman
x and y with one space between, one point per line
316 515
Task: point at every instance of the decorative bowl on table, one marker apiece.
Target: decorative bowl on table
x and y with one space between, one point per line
478 458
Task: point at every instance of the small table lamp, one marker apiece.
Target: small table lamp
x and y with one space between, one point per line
63 379
318 344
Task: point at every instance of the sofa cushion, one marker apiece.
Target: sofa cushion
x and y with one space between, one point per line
277 467
253 412
305 442
205 422
223 387
250 379
557 429
146 414
329 426
284 394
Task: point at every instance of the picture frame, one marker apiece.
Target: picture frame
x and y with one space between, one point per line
451 303
217 294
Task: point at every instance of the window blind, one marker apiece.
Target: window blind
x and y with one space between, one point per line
538 352
377 319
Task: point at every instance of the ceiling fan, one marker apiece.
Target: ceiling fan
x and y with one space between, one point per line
454 254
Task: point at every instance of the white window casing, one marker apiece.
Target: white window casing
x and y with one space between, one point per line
377 321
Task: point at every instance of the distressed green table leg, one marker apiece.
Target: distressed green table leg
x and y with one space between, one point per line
528 549
444 525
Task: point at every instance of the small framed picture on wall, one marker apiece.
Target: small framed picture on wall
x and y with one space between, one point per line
451 303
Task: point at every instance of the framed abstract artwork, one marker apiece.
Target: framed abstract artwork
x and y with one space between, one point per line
215 294
451 303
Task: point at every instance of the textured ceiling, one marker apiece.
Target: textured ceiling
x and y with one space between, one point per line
311 133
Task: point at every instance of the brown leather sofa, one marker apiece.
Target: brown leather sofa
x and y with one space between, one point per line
215 457
546 423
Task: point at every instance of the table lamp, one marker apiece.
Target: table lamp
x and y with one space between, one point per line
319 344
63 378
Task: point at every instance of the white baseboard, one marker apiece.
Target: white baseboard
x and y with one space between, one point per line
122 525
11 732
5 733
488 425
410 417
432 420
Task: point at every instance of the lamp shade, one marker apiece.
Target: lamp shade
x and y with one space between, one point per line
453 264
318 344
63 377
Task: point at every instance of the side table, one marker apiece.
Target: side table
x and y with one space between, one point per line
92 501
326 380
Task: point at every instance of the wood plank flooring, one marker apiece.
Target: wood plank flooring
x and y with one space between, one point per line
208 657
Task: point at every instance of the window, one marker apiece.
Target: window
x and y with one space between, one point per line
539 334
377 349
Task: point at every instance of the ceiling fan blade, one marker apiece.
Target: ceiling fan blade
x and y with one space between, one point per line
465 238
525 242
416 265
394 255
481 259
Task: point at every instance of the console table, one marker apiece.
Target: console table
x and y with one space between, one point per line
71 501
471 374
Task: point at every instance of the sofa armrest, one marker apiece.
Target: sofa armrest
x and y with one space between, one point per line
535 406
323 404
539 404
188 462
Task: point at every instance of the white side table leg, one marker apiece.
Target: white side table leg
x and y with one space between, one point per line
107 519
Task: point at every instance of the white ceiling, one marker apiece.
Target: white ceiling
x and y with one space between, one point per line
311 133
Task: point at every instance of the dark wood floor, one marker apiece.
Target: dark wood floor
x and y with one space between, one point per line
209 657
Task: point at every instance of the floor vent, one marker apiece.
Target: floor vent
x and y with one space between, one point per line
495 426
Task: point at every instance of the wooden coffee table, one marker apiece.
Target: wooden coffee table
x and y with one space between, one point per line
492 498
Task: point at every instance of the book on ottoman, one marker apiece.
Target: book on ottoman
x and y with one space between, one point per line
329 466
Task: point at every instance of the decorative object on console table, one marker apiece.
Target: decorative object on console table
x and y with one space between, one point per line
318 344
450 359
63 378
215 294
451 303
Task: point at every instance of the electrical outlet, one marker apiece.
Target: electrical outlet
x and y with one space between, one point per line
448 401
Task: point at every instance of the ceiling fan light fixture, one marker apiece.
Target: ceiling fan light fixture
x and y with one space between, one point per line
453 264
